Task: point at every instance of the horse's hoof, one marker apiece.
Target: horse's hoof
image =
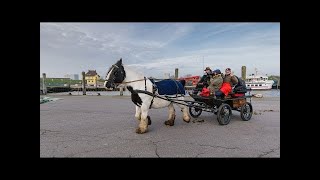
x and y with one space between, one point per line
187 120
149 120
139 131
169 122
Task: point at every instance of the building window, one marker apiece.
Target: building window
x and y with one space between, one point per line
256 85
260 84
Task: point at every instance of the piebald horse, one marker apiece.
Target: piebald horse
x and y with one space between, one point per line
120 74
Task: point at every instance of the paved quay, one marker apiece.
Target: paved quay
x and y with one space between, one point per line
104 126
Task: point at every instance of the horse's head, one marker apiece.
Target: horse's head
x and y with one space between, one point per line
116 74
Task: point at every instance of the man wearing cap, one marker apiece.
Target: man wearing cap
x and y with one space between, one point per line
230 78
216 81
204 80
228 81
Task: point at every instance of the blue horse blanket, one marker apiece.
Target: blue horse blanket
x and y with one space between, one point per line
170 87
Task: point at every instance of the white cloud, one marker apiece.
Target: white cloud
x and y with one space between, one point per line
154 47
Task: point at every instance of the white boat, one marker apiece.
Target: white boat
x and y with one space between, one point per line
260 82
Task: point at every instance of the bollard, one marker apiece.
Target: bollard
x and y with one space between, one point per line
176 73
243 72
121 91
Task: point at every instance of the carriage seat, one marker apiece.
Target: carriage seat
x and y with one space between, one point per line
237 93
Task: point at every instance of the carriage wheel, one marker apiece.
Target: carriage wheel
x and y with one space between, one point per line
194 111
246 111
224 114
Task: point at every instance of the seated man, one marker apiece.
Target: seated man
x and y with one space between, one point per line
215 82
203 81
229 80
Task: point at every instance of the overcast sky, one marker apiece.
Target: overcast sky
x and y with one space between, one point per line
158 48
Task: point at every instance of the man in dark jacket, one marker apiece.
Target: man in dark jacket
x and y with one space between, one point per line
203 81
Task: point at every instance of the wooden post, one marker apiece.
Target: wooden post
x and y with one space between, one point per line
121 91
176 73
84 82
70 86
96 83
278 82
44 89
243 73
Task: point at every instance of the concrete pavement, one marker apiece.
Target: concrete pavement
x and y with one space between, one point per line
104 126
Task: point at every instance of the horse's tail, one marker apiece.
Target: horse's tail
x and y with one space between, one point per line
183 82
134 96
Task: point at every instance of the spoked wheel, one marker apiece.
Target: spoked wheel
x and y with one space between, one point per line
195 111
246 111
224 114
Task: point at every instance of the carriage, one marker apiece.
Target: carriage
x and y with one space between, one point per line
222 107
147 94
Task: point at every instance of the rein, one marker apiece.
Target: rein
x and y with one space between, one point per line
132 81
144 79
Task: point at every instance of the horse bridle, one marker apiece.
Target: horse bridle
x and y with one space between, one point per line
145 84
117 67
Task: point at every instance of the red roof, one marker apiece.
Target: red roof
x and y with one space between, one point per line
190 77
194 79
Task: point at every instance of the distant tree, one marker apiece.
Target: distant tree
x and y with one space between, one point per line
273 77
